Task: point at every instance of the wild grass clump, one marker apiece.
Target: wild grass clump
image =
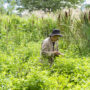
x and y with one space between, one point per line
75 30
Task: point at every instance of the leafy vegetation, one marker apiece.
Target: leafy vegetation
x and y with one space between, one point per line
52 5
20 44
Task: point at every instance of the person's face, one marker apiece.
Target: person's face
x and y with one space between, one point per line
54 38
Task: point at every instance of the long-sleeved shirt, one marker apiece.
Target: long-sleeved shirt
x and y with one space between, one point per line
48 47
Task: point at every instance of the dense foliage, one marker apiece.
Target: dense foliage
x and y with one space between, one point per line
52 5
20 44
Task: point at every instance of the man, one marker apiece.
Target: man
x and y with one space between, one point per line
49 49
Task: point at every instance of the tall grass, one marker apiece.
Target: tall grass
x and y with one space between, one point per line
76 30
18 30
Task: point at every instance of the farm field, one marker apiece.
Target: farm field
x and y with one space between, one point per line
20 45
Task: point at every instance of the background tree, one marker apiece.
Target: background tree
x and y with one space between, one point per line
2 10
7 6
48 4
11 7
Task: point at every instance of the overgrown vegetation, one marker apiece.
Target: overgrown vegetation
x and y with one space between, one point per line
20 44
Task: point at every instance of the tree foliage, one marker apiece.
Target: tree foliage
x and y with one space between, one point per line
7 6
48 4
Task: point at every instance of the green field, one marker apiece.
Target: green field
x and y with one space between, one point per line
20 45
20 69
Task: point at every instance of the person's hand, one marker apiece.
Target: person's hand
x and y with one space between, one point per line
62 54
56 53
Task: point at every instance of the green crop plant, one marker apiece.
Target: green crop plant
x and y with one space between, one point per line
20 45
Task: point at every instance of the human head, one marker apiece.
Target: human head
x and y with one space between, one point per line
55 35
54 38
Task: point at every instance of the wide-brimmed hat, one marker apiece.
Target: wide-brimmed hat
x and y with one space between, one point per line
56 32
